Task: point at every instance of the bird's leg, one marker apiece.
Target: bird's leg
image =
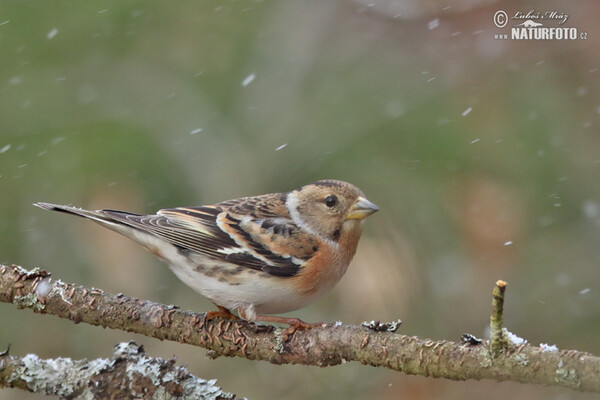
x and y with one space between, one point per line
222 313
295 324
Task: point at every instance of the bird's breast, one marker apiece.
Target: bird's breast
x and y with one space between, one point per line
330 262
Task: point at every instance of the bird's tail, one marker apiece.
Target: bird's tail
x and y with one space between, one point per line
71 210
108 218
130 225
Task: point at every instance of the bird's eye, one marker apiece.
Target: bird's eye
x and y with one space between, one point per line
330 201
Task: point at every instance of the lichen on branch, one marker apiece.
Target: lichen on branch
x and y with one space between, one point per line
130 373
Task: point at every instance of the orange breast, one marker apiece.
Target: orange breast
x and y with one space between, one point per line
330 262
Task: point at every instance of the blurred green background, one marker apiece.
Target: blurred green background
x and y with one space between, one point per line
483 155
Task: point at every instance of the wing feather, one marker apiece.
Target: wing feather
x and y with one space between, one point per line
263 240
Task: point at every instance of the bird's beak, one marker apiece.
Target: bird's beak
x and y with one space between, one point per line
361 208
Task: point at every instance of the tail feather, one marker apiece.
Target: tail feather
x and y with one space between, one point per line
111 219
71 210
137 227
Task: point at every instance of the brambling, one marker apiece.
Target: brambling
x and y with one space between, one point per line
259 255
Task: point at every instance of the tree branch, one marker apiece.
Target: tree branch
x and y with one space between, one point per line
323 346
129 374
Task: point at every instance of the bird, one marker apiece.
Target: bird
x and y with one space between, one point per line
254 256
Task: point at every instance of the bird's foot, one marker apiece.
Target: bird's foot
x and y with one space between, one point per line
295 324
222 313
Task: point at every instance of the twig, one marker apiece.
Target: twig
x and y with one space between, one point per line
498 341
322 346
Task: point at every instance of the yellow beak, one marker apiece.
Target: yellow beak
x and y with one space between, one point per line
362 208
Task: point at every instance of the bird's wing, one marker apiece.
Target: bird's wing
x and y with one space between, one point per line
273 244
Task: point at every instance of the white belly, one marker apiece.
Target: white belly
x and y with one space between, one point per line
266 295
